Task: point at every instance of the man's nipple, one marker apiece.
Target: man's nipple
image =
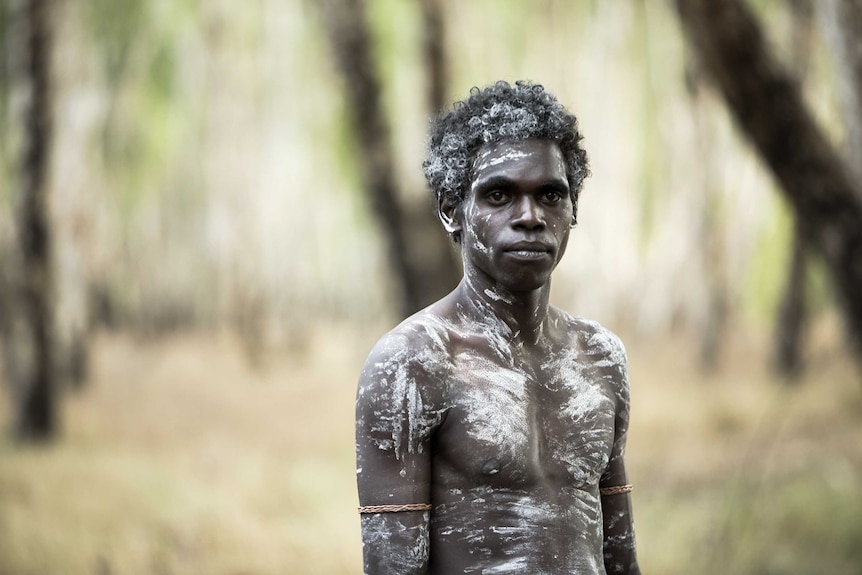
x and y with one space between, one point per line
491 467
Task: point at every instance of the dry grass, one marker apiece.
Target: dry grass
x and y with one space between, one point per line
741 473
180 459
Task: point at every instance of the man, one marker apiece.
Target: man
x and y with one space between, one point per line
490 426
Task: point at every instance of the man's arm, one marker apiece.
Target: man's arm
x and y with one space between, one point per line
619 537
395 418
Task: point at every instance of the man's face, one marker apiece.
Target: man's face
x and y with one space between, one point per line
517 214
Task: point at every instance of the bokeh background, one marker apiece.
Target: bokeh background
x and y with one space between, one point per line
220 260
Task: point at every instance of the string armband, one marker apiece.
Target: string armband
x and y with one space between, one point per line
395 508
616 490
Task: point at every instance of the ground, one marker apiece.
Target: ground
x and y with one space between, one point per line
180 458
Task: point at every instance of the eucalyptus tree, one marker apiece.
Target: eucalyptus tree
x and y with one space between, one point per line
766 102
424 265
38 400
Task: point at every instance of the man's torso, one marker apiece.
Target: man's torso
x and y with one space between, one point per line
525 436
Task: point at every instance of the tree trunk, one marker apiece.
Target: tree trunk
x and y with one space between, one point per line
768 107
435 54
792 312
443 262
38 418
790 324
420 261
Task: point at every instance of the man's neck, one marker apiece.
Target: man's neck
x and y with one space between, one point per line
520 314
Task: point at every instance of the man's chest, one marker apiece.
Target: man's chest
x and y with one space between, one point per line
522 424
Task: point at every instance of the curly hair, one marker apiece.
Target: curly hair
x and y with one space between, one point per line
498 112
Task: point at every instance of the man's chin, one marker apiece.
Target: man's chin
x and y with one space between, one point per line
526 283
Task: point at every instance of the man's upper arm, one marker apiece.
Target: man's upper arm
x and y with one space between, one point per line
619 539
614 369
396 415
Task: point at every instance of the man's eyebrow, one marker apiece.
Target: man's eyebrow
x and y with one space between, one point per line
494 182
555 184
499 182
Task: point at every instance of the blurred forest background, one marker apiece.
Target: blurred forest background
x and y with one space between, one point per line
209 211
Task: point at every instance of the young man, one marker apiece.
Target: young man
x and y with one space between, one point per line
491 426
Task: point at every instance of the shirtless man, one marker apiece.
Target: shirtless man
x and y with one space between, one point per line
491 426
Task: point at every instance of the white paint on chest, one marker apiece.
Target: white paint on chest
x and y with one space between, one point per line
494 402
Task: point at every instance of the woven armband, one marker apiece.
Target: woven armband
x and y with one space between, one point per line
395 508
616 490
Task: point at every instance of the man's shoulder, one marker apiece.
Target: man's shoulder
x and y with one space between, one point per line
595 340
420 342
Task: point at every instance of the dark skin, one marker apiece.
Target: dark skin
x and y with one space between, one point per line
502 411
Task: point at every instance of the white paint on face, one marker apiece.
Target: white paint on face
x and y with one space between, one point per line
471 216
490 227
486 158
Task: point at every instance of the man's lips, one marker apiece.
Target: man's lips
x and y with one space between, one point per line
528 249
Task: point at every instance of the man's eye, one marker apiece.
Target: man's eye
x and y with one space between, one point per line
497 196
552 197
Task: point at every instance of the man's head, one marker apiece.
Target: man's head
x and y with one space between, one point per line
493 114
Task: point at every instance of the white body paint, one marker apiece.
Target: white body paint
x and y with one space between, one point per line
501 411
493 428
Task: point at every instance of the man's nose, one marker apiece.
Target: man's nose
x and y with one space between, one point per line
528 215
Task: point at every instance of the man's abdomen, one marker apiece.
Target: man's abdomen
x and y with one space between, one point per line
504 531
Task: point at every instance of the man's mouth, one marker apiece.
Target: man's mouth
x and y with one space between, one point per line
528 250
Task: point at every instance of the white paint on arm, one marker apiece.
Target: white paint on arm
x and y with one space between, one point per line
395 543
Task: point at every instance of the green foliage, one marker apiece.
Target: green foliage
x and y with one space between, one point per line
806 524
116 28
138 42
397 38
819 289
162 66
768 273
397 34
651 132
344 146
769 264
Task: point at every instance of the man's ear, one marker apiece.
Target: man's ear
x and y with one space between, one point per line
448 214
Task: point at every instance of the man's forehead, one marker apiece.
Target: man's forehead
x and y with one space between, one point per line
496 153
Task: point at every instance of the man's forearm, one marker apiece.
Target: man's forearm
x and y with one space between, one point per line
619 547
620 556
395 543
